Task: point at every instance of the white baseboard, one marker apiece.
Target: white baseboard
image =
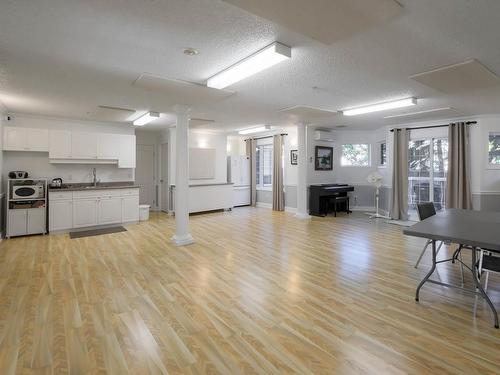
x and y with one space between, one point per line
362 208
270 206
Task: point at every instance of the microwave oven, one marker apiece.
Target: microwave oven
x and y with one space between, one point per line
28 191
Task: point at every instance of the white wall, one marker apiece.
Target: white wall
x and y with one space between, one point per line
200 139
37 163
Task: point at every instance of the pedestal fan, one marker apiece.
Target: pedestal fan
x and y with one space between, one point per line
375 178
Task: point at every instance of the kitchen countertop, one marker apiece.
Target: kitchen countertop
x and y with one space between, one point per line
100 186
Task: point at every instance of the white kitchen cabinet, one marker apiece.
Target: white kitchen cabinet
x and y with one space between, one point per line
241 196
17 222
60 214
59 144
37 140
108 146
35 222
130 209
25 139
14 139
127 151
110 210
83 145
85 212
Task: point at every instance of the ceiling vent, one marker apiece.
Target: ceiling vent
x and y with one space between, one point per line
323 135
456 78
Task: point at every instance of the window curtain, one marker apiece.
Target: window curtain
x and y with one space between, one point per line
278 188
458 190
251 146
399 199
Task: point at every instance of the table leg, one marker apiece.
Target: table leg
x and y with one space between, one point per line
433 268
480 287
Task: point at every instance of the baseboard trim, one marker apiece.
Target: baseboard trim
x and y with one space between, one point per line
270 206
362 208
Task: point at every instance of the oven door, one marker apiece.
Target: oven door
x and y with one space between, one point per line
21 192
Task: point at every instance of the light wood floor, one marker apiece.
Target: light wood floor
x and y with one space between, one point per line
259 292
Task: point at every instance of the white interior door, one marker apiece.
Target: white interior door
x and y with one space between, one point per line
144 174
164 177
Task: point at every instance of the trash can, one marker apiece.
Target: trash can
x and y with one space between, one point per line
143 212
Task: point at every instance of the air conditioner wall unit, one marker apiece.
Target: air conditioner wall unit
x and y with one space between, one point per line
323 135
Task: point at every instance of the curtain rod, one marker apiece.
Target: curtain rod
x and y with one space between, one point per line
267 136
436 126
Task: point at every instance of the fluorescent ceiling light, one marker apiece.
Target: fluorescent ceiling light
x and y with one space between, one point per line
419 112
380 107
257 129
146 118
259 61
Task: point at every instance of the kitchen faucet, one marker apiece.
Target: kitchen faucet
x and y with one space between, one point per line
94 177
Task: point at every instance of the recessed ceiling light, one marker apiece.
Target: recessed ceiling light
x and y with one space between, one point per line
146 118
380 107
256 129
191 51
259 61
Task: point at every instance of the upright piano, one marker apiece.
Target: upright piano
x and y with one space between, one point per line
319 194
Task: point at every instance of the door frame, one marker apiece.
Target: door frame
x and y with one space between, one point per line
164 177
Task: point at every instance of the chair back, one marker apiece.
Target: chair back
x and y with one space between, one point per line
425 210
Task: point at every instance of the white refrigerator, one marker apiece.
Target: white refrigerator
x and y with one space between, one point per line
239 174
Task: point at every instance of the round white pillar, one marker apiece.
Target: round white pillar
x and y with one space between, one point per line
302 212
182 235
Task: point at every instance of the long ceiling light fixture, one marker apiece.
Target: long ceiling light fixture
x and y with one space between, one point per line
146 118
259 61
257 129
380 107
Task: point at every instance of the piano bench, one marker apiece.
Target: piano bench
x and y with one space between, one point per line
338 200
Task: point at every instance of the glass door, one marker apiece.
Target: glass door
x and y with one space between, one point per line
427 170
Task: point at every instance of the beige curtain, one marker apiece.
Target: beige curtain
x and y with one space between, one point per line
251 146
278 188
458 190
399 201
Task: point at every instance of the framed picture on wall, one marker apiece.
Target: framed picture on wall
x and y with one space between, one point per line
323 158
294 157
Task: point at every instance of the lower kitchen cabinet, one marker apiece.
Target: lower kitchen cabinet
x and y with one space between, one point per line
85 213
110 210
61 214
90 208
130 209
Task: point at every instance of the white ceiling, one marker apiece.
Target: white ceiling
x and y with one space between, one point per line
66 57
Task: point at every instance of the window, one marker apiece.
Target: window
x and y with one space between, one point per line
494 149
427 170
383 154
355 155
264 166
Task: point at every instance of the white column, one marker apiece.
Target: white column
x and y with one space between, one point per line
182 235
302 172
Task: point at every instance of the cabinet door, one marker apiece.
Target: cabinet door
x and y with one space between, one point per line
59 144
60 215
127 151
130 209
36 221
14 139
108 146
85 212
83 145
37 140
17 222
110 210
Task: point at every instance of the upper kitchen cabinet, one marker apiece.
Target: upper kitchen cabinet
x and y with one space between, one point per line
60 144
127 151
25 139
83 145
108 146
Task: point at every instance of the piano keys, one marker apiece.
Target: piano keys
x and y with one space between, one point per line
319 196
